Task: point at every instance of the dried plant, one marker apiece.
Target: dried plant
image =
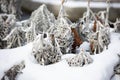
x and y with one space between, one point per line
6 24
46 49
14 71
62 31
116 69
117 25
80 59
95 26
77 40
11 7
42 19
16 38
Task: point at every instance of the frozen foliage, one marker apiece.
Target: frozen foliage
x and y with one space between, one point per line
80 59
14 71
11 7
28 29
104 37
6 24
42 19
94 44
46 49
62 31
117 25
117 69
63 34
15 38
116 74
99 41
12 33
95 29
30 35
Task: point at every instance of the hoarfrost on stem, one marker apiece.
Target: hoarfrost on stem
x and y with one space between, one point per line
80 59
11 7
42 19
46 49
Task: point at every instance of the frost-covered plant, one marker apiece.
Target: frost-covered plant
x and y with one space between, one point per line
63 34
14 71
80 59
15 38
100 40
94 44
62 12
62 30
20 34
6 24
117 25
85 23
30 34
28 30
95 29
46 49
11 7
42 19
104 37
101 19
116 69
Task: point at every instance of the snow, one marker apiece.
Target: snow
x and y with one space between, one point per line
116 77
100 69
85 46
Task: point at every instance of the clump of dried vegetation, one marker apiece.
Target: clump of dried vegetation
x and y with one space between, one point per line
14 71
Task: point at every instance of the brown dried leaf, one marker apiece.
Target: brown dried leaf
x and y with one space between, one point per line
77 39
95 26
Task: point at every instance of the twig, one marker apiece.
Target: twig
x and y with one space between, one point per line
107 12
88 14
12 32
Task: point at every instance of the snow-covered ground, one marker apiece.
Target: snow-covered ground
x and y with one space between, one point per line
100 69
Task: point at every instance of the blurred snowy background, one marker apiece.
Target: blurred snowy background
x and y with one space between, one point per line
75 8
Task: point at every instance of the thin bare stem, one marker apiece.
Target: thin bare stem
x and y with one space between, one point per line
107 12
88 14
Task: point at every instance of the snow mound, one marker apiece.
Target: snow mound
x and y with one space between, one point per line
101 68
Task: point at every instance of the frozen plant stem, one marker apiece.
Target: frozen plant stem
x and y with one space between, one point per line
88 14
107 12
62 11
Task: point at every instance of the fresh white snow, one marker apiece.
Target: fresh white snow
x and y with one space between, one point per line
100 69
